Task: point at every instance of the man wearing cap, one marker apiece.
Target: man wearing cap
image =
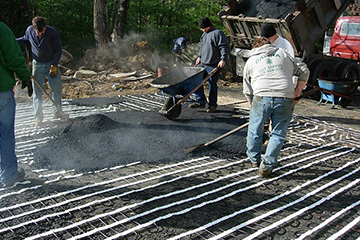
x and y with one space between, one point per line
268 31
213 52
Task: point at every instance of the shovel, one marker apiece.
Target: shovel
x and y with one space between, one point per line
195 147
63 115
173 111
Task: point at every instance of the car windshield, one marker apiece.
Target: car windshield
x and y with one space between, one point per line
350 29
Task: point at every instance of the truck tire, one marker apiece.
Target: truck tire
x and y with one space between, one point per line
349 70
337 63
312 62
320 69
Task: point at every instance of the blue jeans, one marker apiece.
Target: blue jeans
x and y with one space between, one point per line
279 110
9 163
39 71
213 88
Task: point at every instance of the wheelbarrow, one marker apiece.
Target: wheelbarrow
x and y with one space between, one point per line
180 81
337 91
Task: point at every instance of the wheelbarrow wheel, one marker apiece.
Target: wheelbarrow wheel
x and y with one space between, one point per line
175 112
344 102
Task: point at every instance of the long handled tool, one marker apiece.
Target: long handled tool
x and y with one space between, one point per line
307 93
52 100
63 115
178 103
195 147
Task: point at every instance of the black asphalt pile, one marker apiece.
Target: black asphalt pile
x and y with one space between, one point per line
268 8
104 141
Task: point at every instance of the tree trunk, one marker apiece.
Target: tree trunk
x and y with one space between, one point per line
120 20
101 32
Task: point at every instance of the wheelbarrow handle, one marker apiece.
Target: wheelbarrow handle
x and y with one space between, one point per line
192 91
198 86
329 91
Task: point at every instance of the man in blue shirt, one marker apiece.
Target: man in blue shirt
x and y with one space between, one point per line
46 52
213 52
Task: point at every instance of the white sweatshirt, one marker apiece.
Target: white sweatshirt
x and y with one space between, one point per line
269 71
283 43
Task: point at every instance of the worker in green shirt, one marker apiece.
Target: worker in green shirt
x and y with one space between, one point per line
12 62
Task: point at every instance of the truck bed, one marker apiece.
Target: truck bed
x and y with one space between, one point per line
303 27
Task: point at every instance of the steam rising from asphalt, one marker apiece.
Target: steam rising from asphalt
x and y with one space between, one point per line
103 141
127 47
147 57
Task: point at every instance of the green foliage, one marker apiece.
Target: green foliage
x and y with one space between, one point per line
170 19
159 21
14 14
72 19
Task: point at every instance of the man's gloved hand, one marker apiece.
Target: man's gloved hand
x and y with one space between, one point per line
29 87
53 71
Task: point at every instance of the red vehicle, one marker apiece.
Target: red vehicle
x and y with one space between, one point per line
345 42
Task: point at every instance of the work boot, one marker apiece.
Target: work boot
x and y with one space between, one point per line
38 122
255 165
19 178
211 109
264 174
196 105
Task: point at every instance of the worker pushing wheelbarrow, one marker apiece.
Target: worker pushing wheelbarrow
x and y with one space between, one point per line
213 52
181 81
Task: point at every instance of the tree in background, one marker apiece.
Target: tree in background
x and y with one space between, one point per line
160 21
13 13
164 20
72 18
101 31
120 19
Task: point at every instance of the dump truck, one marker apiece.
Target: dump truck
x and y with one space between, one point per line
304 28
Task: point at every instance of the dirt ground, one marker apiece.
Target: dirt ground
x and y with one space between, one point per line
116 75
104 84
